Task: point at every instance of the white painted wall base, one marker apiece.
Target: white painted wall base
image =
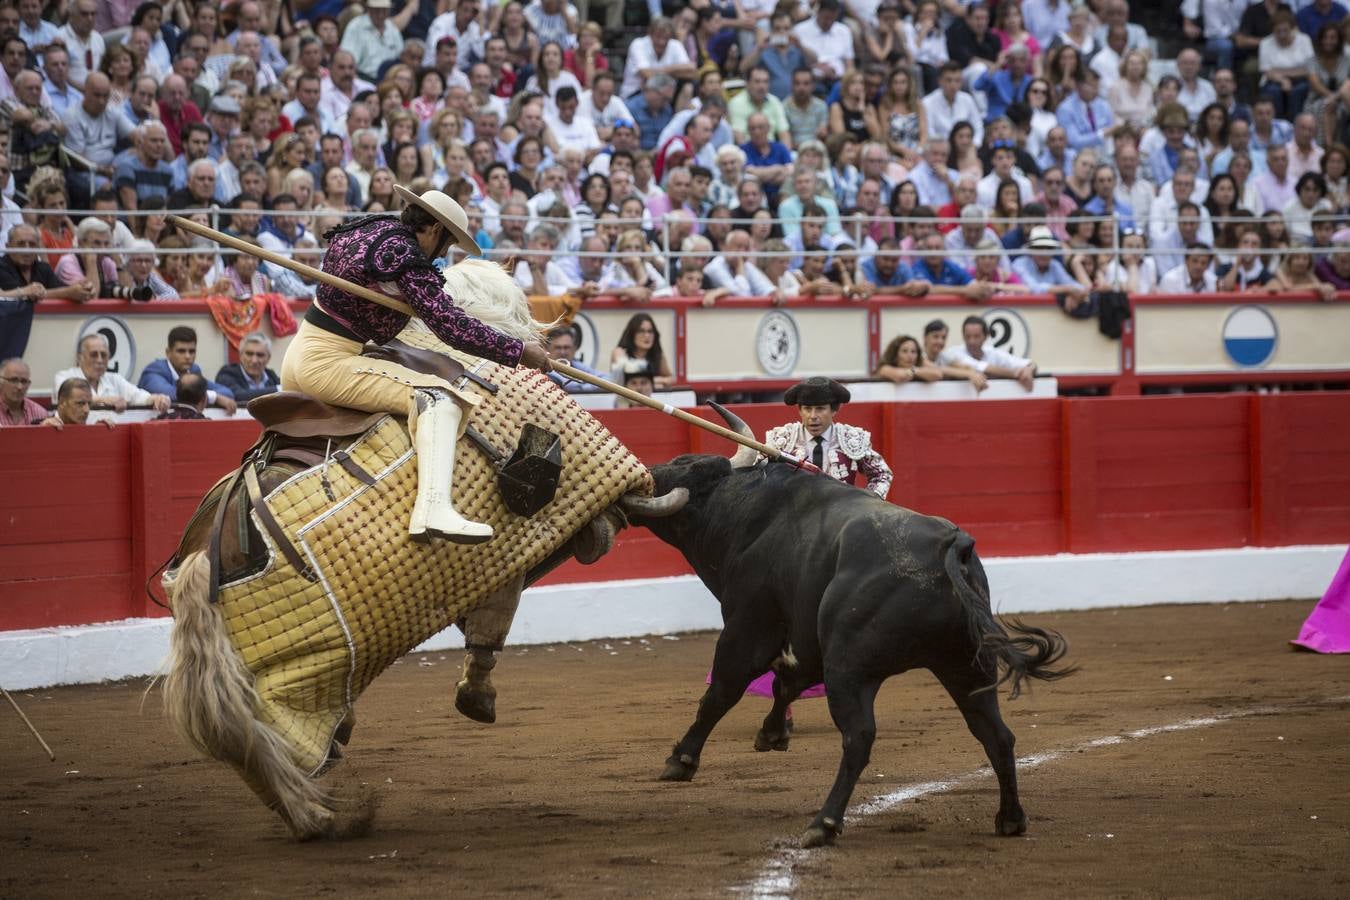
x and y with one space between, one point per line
577 612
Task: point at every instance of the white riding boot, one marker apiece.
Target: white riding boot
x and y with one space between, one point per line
434 514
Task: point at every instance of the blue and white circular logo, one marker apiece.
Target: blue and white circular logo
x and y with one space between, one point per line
1250 336
777 343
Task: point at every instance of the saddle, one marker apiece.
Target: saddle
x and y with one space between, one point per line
300 416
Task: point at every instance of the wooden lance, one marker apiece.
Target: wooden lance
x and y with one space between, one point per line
388 302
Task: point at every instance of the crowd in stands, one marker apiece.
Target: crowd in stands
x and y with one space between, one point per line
820 148
174 386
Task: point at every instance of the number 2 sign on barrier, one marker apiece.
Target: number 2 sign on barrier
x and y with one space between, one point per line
1008 331
121 344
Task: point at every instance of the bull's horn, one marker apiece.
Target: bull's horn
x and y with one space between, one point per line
745 457
655 507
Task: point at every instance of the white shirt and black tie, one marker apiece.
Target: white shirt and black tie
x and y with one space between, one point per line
821 447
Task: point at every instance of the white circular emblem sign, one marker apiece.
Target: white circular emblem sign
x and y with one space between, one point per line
121 345
777 343
1008 331
588 342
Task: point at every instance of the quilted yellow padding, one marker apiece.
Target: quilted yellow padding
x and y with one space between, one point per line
314 646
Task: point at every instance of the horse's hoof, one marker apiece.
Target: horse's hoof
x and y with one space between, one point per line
479 704
820 834
1010 827
320 825
764 742
679 767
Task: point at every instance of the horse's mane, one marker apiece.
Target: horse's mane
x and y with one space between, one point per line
487 292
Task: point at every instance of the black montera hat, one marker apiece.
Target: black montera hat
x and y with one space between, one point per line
817 391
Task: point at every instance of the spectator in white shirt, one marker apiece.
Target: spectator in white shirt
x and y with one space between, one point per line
1003 169
964 240
1194 275
537 273
1196 92
980 354
1164 210
570 129
830 39
1135 271
656 52
461 23
1221 21
1116 13
1304 153
341 86
630 268
110 390
932 179
1045 19
1285 58
35 31
601 107
84 43
949 104
553 20
1131 189
732 270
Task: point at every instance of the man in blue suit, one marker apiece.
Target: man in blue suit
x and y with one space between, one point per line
250 378
1087 118
1008 85
161 376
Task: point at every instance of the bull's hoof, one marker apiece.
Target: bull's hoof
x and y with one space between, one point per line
1011 826
820 834
477 702
765 742
680 767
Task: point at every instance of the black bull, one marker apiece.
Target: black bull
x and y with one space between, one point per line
825 582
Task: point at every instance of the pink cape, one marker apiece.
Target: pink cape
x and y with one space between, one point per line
763 687
1327 629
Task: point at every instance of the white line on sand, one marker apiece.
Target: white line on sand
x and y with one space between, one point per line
777 878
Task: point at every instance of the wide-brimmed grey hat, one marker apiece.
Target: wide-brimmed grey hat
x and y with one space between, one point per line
449 213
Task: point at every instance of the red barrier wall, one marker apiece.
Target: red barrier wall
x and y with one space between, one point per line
1158 473
88 514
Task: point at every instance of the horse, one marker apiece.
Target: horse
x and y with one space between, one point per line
281 618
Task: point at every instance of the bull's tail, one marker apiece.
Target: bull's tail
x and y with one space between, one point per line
210 699
1027 653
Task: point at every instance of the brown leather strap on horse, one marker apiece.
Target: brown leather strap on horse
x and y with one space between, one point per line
344 459
274 529
217 526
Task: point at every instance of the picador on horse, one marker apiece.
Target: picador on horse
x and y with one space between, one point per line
360 525
324 361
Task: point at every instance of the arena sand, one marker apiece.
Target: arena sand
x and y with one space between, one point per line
558 799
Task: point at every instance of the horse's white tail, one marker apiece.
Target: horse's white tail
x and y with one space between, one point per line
210 699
